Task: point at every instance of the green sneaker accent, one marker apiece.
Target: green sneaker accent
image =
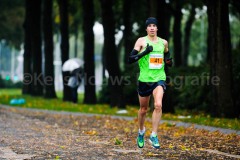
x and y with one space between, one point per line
154 141
140 140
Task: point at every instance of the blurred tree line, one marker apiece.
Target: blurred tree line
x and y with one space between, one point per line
203 36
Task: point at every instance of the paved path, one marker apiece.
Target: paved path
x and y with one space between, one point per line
40 134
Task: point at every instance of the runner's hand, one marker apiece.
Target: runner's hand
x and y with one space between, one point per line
149 48
169 62
134 56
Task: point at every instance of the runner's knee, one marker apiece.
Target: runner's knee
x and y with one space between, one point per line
143 110
158 106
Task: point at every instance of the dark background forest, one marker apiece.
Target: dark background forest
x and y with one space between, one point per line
203 37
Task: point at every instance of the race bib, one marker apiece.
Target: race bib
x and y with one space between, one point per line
155 61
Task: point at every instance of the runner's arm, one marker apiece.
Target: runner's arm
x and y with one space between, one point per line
167 59
134 56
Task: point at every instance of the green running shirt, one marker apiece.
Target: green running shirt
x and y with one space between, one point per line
152 65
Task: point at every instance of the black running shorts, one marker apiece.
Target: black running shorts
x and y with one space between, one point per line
146 88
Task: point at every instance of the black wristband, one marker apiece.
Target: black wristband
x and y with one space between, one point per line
167 59
167 55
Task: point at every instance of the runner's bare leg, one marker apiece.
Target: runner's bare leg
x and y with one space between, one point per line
157 113
144 103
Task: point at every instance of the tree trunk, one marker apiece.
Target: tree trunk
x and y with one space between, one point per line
177 35
111 57
127 33
187 36
76 44
164 17
48 50
63 9
221 61
153 8
37 86
89 66
27 81
236 5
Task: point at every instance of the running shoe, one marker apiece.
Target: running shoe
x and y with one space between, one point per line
140 140
154 141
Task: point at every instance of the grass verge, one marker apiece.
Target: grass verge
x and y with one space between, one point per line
6 95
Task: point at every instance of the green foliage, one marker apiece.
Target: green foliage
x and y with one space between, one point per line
104 94
12 17
198 39
53 104
203 119
10 92
191 88
236 75
117 141
75 16
9 84
129 87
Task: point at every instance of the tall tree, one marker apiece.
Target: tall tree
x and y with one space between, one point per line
75 14
111 57
27 69
35 31
127 33
153 8
221 61
49 91
63 9
177 35
236 5
12 17
164 17
89 66
187 36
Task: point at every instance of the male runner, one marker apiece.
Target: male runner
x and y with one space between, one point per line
152 54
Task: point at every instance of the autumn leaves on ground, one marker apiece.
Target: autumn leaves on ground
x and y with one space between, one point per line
65 136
